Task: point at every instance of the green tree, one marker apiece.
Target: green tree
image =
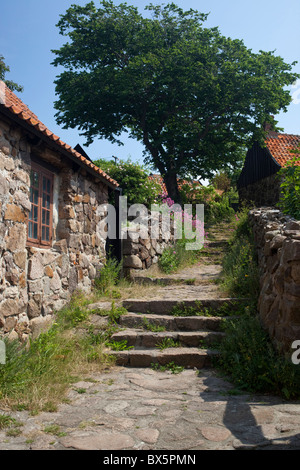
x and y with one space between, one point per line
221 181
3 71
290 186
134 180
192 96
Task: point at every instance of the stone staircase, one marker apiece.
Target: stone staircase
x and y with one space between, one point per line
195 337
181 324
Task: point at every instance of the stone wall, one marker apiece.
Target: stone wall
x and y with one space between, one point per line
277 238
264 192
36 281
140 251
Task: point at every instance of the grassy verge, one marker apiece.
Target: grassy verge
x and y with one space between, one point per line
247 355
176 256
250 360
240 276
36 376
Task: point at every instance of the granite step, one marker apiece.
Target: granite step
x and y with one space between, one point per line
216 243
204 281
165 306
184 357
172 323
141 339
184 313
193 334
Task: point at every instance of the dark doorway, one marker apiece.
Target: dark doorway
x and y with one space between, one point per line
114 246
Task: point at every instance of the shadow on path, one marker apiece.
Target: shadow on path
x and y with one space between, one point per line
251 419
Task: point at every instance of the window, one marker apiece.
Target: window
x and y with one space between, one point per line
41 197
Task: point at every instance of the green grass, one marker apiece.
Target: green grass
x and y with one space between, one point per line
176 257
118 345
252 363
247 354
167 343
171 366
11 426
151 327
36 375
54 429
225 310
109 276
240 276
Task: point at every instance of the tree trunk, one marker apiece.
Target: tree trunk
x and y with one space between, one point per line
170 179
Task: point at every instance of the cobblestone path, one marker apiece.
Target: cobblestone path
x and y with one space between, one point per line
142 409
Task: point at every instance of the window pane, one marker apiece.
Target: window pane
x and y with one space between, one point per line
46 185
45 217
30 231
45 234
40 213
35 231
46 201
34 179
35 213
36 197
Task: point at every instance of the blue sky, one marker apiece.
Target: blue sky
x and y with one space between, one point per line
28 32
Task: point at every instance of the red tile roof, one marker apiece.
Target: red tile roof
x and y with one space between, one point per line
280 146
12 103
159 179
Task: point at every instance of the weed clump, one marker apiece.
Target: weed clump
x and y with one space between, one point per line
247 354
240 276
38 373
109 276
250 359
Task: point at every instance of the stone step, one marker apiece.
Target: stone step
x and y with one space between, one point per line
198 274
205 281
172 323
185 357
216 243
147 339
165 306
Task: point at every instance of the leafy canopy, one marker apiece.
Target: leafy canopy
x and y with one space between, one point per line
3 70
134 180
192 96
290 186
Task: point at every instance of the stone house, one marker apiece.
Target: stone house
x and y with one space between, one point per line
258 181
49 196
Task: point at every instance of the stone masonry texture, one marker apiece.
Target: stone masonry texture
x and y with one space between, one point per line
277 239
34 282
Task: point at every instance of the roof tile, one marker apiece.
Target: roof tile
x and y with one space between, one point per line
280 147
11 102
159 179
